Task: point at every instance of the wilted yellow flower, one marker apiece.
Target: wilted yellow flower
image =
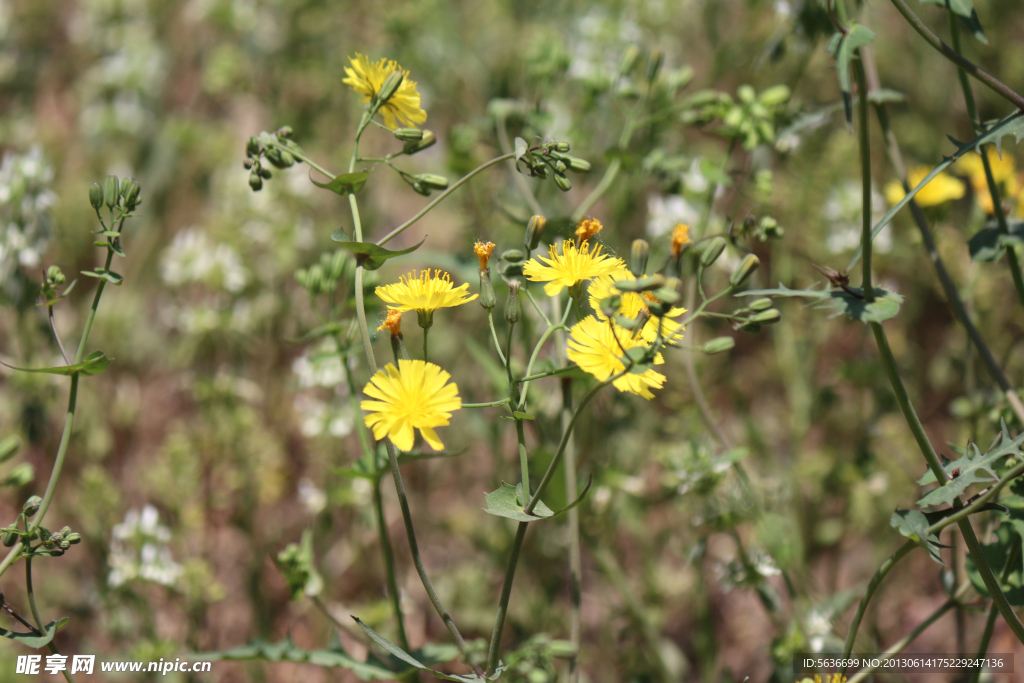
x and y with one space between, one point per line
393 323
634 304
570 267
941 189
417 395
366 78
425 292
593 347
680 238
587 228
483 252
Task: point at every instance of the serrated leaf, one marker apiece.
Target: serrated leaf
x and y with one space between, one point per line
404 656
971 468
914 525
285 651
344 184
857 36
371 257
988 244
33 639
1011 125
503 502
93 364
885 306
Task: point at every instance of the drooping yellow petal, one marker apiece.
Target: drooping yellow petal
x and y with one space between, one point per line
413 395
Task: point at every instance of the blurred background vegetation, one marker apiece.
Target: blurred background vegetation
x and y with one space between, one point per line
214 437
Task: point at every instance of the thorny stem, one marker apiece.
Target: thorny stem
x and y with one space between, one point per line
952 55
993 188
889 363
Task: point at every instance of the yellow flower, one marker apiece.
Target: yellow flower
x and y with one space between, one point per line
483 252
393 323
366 78
941 189
634 304
425 292
593 347
572 266
587 228
680 238
417 395
1004 172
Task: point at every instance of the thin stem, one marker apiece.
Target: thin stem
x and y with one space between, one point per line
906 640
949 53
873 584
389 564
536 306
426 330
613 168
53 328
456 185
549 373
865 166
358 635
494 336
506 591
524 462
519 178
990 622
35 613
490 404
536 352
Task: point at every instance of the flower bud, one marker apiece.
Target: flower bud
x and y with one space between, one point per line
425 318
774 96
638 254
265 173
96 195
247 163
761 304
513 307
487 298
10 538
611 305
408 134
285 132
255 182
54 275
744 271
712 251
110 191
64 545
252 148
562 146
420 188
560 167
628 60
534 230
751 328
772 315
390 87
434 181
130 191
576 164
426 140
513 256
563 183
654 62
74 538
31 506
718 345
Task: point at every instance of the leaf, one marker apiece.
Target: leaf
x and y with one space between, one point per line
518 416
93 364
521 148
1011 125
340 235
371 257
344 184
885 306
962 7
285 651
857 36
974 24
404 656
988 244
104 274
974 468
34 640
996 554
503 502
884 96
914 525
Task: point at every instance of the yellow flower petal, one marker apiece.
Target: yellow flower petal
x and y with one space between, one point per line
367 78
941 189
414 395
571 266
426 291
633 305
597 348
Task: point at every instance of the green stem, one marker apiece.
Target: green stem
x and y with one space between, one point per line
549 373
494 336
35 613
536 352
865 172
524 462
506 592
906 640
389 564
990 623
952 55
426 330
490 404
613 168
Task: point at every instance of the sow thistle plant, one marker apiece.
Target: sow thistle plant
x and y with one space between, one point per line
602 321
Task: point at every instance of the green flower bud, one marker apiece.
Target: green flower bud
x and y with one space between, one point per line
751 328
426 140
628 90
285 132
252 148
774 96
54 275
718 345
712 251
487 298
513 256
390 87
265 173
247 163
576 164
255 182
563 649
534 230
654 62
562 146
96 195
31 506
110 191
337 268
761 304
513 307
772 315
130 191
408 134
10 538
560 167
420 188
433 181
638 254
425 318
563 183
744 271
628 60
64 545
611 305
73 538
746 94
280 158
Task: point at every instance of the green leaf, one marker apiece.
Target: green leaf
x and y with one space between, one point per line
974 25
857 36
344 184
93 364
371 257
971 468
340 235
285 651
914 525
33 639
885 96
518 416
104 274
962 7
988 244
521 148
404 656
849 301
996 554
503 502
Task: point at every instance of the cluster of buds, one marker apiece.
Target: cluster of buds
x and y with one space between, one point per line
760 312
277 149
424 183
551 158
53 278
55 543
751 118
415 140
323 277
659 293
765 229
115 193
